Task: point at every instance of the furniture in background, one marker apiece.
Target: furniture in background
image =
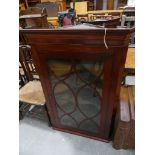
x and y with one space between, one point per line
81 18
93 14
53 7
129 71
81 9
26 63
109 4
106 21
91 5
128 11
23 4
130 60
31 96
52 12
80 72
66 17
124 135
33 18
22 77
129 21
60 3
122 3
103 15
32 3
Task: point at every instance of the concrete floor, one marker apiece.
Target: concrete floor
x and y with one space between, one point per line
36 138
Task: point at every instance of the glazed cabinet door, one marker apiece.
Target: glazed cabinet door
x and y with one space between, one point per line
76 85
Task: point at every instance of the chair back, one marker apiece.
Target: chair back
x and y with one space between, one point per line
26 62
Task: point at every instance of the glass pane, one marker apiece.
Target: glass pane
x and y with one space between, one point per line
77 91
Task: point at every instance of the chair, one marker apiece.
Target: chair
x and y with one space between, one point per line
22 81
31 96
22 77
33 17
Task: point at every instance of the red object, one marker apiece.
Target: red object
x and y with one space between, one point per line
67 21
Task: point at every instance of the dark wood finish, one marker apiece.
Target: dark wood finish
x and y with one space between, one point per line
32 3
122 3
25 3
124 137
99 5
82 44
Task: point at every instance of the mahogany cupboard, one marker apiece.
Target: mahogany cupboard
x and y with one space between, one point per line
80 72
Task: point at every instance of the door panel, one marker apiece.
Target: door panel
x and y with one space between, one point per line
77 92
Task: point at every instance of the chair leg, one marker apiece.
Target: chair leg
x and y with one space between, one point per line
20 112
47 115
20 115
